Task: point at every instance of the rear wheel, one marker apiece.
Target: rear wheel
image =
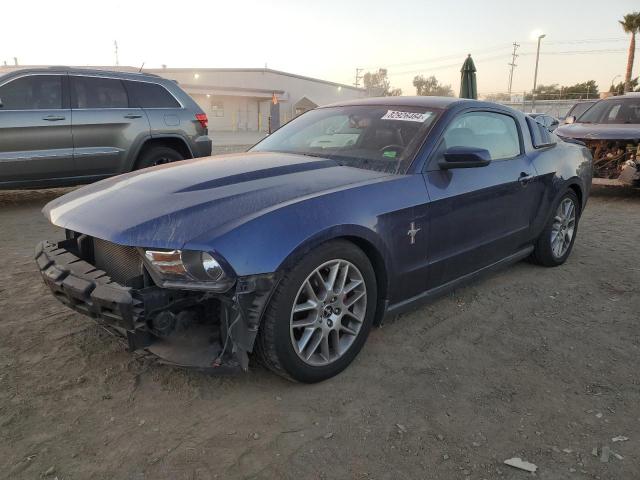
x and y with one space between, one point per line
320 315
157 156
556 241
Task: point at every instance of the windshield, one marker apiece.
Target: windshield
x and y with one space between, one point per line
381 138
613 111
579 108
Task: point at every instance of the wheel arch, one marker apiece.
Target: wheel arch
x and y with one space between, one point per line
176 142
363 238
577 189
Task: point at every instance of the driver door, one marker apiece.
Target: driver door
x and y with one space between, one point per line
480 215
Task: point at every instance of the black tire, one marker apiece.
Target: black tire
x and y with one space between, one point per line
157 156
274 345
543 253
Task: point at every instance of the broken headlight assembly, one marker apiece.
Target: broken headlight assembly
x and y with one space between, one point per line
187 270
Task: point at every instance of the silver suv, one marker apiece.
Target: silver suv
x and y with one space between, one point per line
64 126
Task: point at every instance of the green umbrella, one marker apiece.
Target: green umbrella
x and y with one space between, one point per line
468 87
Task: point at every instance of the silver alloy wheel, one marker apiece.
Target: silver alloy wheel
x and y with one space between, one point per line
563 227
328 312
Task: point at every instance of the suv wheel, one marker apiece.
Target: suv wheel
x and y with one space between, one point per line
157 156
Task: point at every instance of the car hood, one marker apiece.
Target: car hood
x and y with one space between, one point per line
600 131
166 206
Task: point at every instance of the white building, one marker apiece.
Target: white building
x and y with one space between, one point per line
238 99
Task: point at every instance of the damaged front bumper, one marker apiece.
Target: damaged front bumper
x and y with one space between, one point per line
209 331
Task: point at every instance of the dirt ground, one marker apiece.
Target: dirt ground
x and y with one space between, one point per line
542 364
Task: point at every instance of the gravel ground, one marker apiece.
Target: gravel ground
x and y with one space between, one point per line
529 362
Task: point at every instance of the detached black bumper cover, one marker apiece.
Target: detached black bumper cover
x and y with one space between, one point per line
82 287
223 349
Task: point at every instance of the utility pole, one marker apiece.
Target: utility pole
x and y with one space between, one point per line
358 76
513 64
115 44
535 76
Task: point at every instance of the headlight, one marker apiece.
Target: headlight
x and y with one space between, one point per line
187 269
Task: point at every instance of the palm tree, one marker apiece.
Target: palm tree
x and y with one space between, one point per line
630 24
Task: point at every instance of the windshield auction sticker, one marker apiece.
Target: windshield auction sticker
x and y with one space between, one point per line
406 116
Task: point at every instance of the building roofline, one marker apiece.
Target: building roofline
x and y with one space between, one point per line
254 70
230 89
159 71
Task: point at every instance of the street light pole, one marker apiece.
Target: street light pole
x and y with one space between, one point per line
535 76
613 89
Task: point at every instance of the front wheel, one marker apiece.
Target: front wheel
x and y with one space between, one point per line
320 315
556 240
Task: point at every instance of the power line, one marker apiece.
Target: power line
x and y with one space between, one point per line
497 48
579 52
444 67
446 57
498 57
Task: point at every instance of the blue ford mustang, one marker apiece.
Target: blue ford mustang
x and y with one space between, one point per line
293 250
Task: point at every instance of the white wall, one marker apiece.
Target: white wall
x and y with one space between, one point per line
241 112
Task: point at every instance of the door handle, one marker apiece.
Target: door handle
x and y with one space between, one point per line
525 178
54 118
133 115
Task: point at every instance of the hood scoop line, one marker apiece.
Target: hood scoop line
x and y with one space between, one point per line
260 174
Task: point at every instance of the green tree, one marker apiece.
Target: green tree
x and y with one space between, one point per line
377 84
587 89
430 86
619 88
631 25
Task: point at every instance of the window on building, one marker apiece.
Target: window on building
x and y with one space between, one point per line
34 92
96 92
150 95
217 109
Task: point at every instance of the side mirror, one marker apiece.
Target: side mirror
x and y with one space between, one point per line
1 104
570 119
465 157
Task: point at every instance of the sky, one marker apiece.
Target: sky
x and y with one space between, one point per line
329 39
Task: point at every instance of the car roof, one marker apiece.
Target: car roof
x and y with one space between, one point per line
86 71
626 96
416 101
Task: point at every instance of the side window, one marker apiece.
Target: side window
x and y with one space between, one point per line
540 135
96 92
150 95
33 92
613 113
494 132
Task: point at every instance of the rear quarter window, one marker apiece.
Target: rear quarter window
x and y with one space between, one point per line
150 95
540 136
